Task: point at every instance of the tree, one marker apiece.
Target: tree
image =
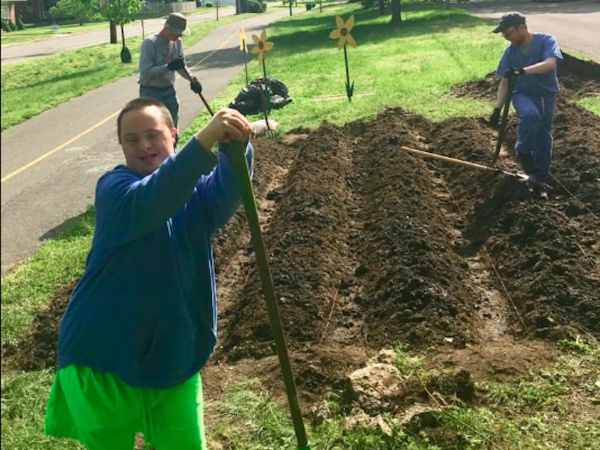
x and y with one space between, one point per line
81 10
396 11
119 12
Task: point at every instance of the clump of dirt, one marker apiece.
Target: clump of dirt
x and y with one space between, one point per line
372 247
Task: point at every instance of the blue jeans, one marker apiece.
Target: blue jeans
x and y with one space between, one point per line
167 96
534 126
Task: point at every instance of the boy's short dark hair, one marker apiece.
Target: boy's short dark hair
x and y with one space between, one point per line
139 103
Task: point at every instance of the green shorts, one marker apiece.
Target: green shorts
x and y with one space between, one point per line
104 413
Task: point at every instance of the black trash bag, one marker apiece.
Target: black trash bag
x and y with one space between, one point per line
248 100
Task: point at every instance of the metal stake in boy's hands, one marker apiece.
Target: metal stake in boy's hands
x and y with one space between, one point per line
241 169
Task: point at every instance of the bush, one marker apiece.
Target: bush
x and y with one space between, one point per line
20 24
12 26
254 6
4 25
209 4
244 6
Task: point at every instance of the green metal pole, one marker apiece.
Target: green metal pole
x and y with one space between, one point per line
238 157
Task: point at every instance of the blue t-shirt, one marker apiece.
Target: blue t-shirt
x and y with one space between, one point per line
542 46
145 306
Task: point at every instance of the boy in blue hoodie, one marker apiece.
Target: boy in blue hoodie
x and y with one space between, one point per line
141 321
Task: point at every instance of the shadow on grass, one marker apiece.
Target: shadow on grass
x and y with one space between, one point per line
81 225
367 31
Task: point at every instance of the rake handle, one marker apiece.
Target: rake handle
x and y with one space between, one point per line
511 85
240 164
447 159
210 111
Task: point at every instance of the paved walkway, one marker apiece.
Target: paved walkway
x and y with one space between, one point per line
576 25
74 40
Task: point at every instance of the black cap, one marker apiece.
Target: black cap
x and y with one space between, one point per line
510 19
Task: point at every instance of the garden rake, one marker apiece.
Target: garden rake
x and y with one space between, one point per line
518 175
187 71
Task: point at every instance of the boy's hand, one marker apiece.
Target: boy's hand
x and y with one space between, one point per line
225 126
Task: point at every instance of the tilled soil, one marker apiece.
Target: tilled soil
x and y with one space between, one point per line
370 247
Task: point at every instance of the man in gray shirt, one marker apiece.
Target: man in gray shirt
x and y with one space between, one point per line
160 56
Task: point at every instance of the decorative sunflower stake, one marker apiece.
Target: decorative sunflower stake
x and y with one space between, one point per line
244 48
342 33
261 46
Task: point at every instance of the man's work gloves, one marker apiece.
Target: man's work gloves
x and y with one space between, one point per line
495 118
513 72
176 64
195 85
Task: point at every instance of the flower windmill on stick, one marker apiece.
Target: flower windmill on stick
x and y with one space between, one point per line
244 48
342 34
261 46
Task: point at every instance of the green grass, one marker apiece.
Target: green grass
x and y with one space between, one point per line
530 413
29 286
411 66
33 33
33 86
23 405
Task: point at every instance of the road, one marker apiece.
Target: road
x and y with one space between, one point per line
71 41
576 25
50 163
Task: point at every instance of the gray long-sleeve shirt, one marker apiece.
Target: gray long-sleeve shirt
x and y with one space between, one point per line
156 52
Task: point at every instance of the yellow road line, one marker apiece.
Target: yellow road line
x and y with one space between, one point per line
102 122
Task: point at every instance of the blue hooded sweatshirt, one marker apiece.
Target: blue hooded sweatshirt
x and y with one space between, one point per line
145 306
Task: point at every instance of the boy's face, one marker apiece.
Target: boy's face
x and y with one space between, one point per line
146 139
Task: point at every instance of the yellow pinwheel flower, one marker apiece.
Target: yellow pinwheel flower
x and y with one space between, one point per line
242 35
342 32
261 46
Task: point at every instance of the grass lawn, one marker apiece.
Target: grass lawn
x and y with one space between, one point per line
33 32
413 66
33 86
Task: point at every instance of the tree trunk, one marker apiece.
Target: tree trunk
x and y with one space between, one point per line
113 32
396 11
381 4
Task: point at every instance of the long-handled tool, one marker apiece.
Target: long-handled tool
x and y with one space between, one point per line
512 80
187 71
238 157
518 175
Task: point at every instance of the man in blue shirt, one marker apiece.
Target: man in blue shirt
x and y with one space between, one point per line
141 321
530 60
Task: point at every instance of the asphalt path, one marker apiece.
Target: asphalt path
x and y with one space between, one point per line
74 40
576 25
50 163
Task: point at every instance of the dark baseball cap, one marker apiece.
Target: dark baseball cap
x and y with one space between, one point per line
177 23
510 19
